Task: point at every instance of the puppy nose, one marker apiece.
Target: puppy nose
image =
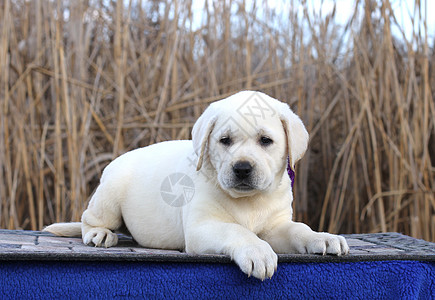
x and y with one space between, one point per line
242 169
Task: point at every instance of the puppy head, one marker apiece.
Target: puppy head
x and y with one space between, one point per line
245 140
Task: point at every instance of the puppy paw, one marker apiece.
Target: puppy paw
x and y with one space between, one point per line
258 260
322 243
100 237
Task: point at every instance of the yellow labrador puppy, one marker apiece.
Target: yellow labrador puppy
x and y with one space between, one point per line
226 191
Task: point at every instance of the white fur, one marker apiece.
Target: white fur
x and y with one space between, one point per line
250 224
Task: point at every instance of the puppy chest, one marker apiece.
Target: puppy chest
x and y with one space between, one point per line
255 221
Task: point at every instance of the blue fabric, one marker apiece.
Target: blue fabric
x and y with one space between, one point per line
139 280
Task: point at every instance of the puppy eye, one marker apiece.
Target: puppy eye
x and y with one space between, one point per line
265 141
226 141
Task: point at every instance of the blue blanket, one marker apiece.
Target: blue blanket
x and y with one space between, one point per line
114 280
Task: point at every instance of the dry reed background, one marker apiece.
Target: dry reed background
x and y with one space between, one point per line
83 81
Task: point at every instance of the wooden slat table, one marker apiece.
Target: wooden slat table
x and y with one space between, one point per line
36 245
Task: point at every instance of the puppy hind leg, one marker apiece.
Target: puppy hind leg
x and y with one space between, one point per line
101 218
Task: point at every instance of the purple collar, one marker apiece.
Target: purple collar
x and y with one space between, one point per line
290 172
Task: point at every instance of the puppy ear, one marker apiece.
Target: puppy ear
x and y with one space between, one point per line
296 133
201 132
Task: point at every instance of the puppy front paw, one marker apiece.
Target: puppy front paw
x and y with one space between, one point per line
100 237
322 243
258 260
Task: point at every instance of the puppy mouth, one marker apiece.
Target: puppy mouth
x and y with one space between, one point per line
244 187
